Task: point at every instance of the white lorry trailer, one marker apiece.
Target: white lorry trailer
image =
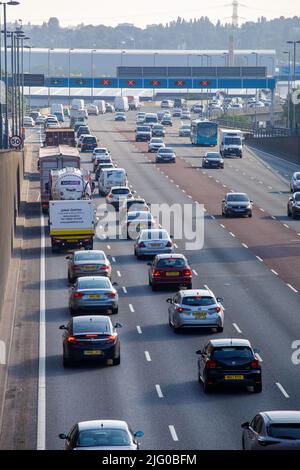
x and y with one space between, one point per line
71 224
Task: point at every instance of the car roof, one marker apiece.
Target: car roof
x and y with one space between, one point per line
168 148
105 423
196 293
296 173
237 194
219 343
136 201
282 416
89 251
93 278
170 256
119 187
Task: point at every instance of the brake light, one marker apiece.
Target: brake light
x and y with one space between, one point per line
111 295
169 244
211 364
187 273
75 268
255 364
218 309
71 339
180 309
156 273
110 196
78 295
111 339
104 267
142 245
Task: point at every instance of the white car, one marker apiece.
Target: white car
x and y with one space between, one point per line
167 104
117 196
155 144
295 182
101 435
99 151
186 116
28 121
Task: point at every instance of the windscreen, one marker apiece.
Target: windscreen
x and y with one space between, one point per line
196 301
100 283
284 430
233 141
89 256
234 352
103 438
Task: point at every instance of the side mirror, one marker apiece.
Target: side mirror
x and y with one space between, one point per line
223 200
256 350
290 199
220 299
68 257
118 325
245 425
199 352
251 202
138 434
149 264
115 284
63 436
172 237
62 327
169 301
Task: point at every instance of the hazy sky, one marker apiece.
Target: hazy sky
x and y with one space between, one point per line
143 12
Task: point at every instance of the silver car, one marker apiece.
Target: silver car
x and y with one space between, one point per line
153 242
88 263
295 182
101 435
196 308
166 155
155 144
272 430
93 293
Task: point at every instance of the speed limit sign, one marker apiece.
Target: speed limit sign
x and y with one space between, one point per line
15 141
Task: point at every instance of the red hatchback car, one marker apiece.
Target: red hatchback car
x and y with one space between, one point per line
169 270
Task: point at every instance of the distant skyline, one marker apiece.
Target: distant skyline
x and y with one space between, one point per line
114 12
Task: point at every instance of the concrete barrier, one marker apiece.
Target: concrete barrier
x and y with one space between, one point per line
11 180
283 147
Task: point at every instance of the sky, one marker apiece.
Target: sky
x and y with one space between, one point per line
144 12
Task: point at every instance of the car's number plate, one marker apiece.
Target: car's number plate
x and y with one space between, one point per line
200 315
89 268
234 377
172 274
155 245
95 296
93 353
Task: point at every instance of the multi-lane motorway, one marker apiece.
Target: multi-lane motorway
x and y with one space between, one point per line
251 263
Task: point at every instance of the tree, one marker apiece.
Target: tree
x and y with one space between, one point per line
53 24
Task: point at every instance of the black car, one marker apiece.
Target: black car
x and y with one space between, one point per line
90 338
89 143
293 207
82 130
229 362
158 130
236 204
212 160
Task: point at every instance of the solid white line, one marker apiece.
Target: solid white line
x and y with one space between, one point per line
195 272
221 225
119 274
139 330
176 246
41 412
213 217
131 308
282 390
274 272
232 234
108 247
259 259
286 226
245 246
262 210
124 290
173 433
148 358
190 197
293 288
159 392
273 217
237 328
259 357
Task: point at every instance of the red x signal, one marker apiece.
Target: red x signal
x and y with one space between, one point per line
106 82
131 82
180 83
204 83
155 82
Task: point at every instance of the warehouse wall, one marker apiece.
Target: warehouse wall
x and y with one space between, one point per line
11 179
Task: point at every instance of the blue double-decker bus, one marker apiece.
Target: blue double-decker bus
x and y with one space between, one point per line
204 133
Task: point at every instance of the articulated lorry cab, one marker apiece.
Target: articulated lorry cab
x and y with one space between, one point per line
231 143
71 225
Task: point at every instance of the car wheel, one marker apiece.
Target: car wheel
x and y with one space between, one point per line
154 288
206 388
66 362
177 330
150 283
72 311
243 443
199 377
115 310
117 361
257 388
250 215
220 329
294 215
289 213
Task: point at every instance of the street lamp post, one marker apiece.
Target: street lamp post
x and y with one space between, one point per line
49 52
154 64
255 107
92 73
122 54
10 3
69 78
29 71
294 78
289 88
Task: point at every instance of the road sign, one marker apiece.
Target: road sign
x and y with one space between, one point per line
15 141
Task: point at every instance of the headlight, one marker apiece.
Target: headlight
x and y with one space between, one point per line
249 206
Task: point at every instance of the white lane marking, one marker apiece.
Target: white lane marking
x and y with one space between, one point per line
217 181
177 185
282 390
260 182
224 186
148 358
176 246
286 225
274 272
270 187
237 328
221 225
292 288
41 416
173 433
245 246
261 209
183 190
139 330
119 274
108 247
273 217
259 259
206 287
232 234
172 181
210 176
2 353
298 234
114 259
159 392
213 217
131 308
124 290
190 197
195 272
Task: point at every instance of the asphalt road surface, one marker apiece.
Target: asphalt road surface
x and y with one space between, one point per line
155 388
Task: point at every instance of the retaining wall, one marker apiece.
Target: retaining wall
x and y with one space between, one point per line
283 147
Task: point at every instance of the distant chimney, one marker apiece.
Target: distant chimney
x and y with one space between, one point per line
231 52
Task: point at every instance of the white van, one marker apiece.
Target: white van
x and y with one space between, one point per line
231 144
121 103
110 177
100 105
